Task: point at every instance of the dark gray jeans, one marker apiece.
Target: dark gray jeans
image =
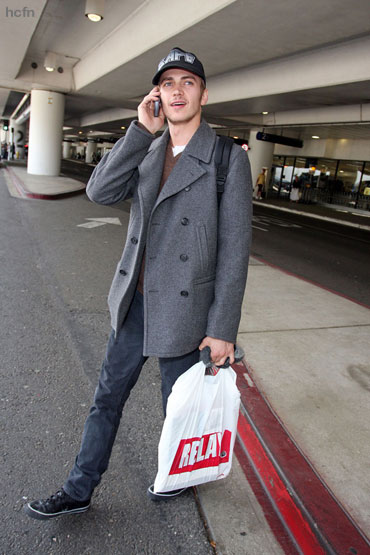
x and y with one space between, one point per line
120 371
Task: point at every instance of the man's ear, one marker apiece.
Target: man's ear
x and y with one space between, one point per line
204 98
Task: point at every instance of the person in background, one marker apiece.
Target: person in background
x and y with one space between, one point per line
261 184
294 191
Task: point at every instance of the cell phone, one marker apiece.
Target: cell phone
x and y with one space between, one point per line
157 106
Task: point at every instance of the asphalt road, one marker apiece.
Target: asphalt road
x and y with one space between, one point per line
55 278
331 255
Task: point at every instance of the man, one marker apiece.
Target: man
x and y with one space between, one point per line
180 282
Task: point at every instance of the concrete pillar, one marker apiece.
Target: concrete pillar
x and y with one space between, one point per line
67 149
46 132
90 149
18 135
260 155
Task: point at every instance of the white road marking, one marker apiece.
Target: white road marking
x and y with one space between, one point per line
97 222
91 224
114 221
260 228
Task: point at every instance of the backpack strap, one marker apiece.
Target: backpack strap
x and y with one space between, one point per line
222 156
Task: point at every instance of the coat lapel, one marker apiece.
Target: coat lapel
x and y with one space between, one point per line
151 172
188 169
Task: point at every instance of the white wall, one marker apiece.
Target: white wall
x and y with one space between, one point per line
348 149
338 149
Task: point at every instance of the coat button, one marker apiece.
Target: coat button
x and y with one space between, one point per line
184 293
133 240
187 189
123 272
185 221
184 257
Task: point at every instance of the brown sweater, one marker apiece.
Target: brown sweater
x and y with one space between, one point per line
169 163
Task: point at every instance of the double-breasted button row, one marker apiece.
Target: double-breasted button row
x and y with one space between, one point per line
184 257
184 293
123 272
185 221
134 240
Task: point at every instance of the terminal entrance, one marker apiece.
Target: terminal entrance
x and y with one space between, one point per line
322 180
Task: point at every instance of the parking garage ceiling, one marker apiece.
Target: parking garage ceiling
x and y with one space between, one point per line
281 56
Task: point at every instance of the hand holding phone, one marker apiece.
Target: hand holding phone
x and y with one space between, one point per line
150 112
157 106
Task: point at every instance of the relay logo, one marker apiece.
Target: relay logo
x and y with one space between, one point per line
202 452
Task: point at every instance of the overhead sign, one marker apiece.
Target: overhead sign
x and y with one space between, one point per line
279 139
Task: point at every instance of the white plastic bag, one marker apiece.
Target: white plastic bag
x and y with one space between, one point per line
199 431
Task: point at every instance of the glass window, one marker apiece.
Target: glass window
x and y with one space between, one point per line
276 173
308 175
365 183
288 170
327 169
278 161
363 197
349 175
301 168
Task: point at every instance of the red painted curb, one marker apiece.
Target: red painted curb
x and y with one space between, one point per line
277 526
309 511
25 193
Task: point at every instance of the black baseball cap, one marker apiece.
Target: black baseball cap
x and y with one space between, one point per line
180 59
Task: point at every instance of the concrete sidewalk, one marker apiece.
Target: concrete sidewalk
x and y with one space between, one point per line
21 184
308 350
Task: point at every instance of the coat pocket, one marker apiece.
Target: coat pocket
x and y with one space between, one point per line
204 279
203 247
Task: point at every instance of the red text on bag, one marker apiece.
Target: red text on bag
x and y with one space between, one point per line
202 452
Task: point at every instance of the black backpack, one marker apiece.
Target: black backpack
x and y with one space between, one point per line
222 157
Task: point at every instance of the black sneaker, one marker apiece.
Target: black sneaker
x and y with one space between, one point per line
58 504
163 495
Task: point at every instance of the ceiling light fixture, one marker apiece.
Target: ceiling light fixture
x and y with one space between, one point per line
50 62
265 113
315 137
94 10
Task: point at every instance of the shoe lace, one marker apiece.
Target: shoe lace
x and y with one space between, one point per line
55 499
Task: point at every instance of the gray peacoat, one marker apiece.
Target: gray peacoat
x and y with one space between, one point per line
196 255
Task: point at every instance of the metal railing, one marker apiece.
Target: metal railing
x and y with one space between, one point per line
313 195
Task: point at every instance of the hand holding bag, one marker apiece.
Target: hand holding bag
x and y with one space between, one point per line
198 434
